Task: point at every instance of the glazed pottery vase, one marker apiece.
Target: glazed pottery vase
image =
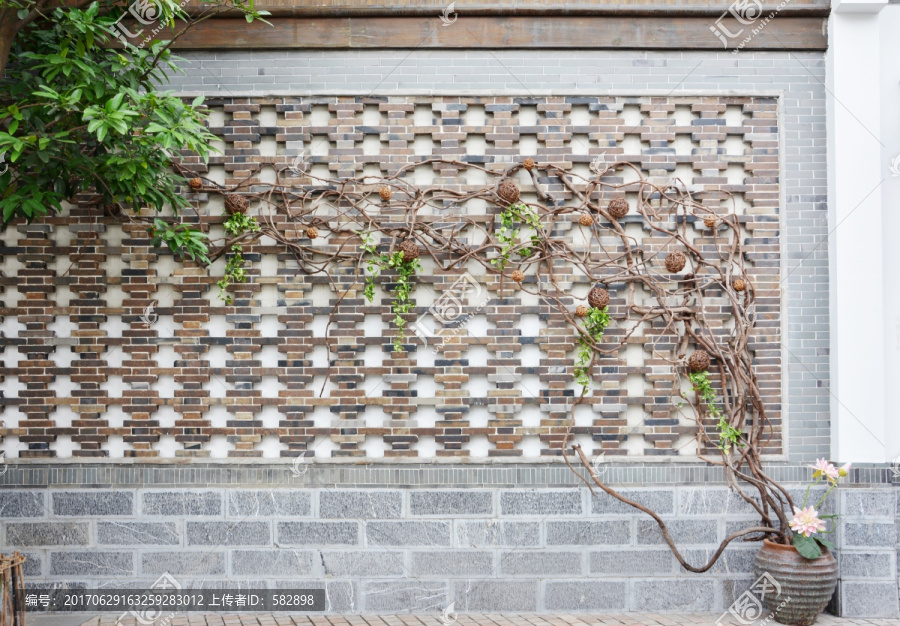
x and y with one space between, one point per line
796 589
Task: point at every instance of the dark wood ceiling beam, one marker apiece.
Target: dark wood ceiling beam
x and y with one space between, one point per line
499 9
556 32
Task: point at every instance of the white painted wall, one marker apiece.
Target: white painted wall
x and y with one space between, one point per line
864 250
889 27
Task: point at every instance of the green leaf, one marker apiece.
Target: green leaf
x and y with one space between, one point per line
116 102
46 92
807 546
825 543
119 126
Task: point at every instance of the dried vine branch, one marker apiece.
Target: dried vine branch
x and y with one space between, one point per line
663 285
762 530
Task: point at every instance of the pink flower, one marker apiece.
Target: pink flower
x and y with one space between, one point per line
806 521
845 469
824 468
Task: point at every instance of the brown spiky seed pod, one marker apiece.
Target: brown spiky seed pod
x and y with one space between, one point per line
528 164
598 298
698 361
739 284
235 203
710 221
585 219
312 232
581 311
385 193
618 208
508 191
518 276
675 261
196 182
410 250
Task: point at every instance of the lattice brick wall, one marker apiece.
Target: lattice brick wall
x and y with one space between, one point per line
113 349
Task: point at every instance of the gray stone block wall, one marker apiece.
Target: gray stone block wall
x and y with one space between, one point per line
419 550
867 557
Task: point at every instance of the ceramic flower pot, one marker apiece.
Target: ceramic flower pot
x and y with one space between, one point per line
805 585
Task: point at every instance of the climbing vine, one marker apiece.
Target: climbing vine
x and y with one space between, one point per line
379 226
405 265
728 435
236 225
508 233
595 322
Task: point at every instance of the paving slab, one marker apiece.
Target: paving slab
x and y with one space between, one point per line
586 619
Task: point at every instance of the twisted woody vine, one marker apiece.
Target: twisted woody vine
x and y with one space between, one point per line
384 228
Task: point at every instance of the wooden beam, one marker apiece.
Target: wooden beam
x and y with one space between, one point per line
598 33
472 8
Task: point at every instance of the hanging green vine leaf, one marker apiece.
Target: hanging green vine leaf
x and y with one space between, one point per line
508 233
236 225
595 322
728 435
405 268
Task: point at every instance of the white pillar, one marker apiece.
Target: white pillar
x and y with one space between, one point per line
857 236
889 23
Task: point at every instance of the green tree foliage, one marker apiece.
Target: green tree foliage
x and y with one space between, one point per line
81 112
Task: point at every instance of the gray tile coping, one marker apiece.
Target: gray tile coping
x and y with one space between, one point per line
233 473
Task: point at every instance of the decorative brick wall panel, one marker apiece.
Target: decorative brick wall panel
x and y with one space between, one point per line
188 376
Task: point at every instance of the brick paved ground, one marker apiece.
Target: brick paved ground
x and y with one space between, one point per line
630 619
